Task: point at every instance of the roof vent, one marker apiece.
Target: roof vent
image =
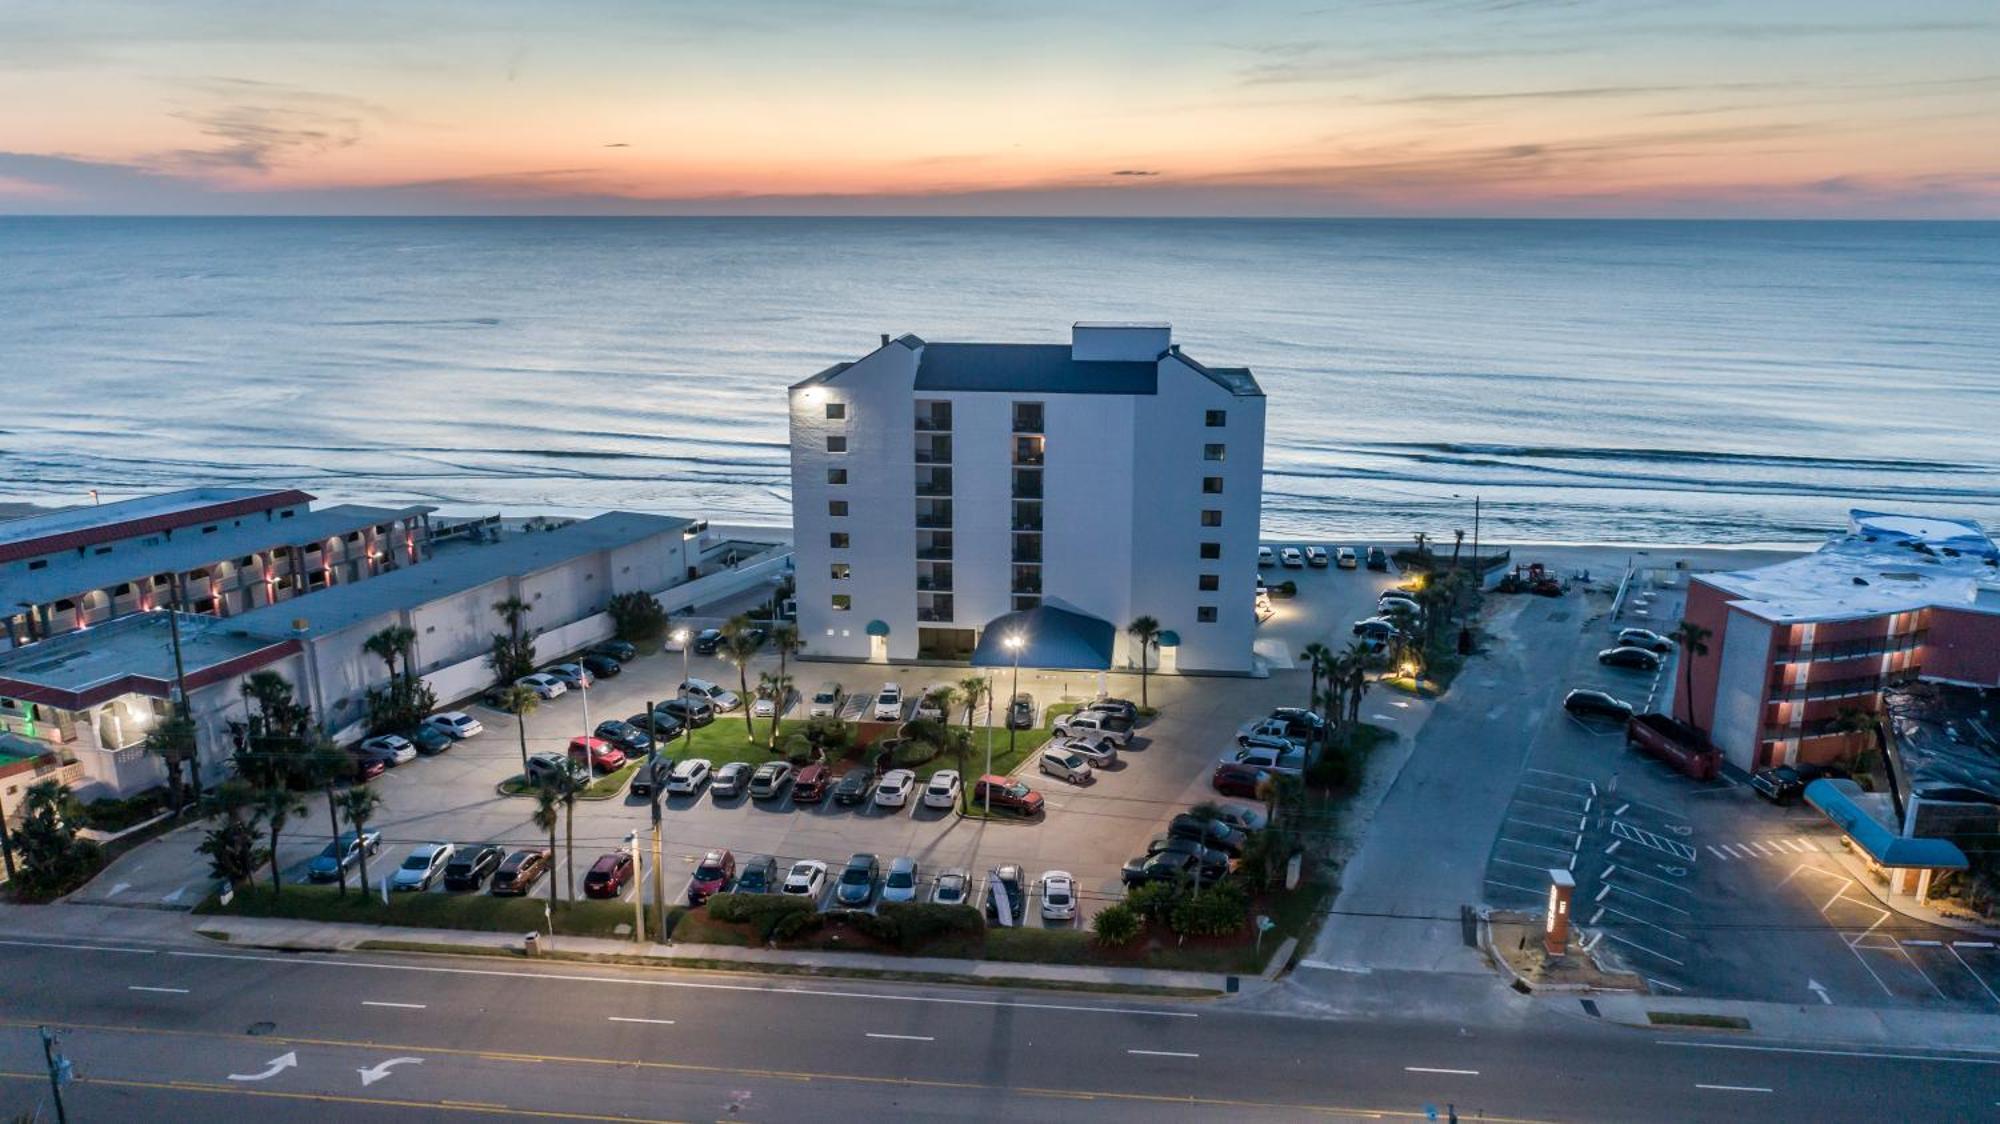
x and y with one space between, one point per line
1860 581
885 339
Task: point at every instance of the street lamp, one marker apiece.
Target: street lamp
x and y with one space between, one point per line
681 637
1013 642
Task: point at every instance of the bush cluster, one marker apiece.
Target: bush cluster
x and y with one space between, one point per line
768 914
112 814
1217 911
1116 926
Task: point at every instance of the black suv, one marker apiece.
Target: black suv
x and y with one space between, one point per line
758 874
854 786
1584 700
470 867
632 739
652 774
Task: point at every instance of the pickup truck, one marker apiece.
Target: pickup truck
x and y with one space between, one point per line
1674 742
1116 729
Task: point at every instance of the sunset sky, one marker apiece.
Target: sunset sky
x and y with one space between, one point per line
1336 107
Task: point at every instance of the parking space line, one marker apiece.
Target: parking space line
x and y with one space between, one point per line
161 990
1557 791
630 1019
1716 853
1648 924
1536 846
1543 826
1642 948
1734 1088
401 1006
913 1037
1628 869
1453 1072
1644 898
1523 866
1920 969
1162 1053
1511 886
1879 982
1518 802
1975 975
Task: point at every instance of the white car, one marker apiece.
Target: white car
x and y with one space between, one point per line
457 723
953 887
1346 559
1391 602
1058 896
714 694
572 674
1094 748
764 707
825 701
1269 759
396 748
1291 558
545 685
900 884
1266 558
1065 765
893 790
1316 557
927 704
422 867
688 776
943 790
1644 638
806 880
889 703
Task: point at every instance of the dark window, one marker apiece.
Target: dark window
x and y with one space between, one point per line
1205 614
1211 452
39 564
840 571
836 508
102 550
1211 519
1211 550
836 476
1218 418
835 411
836 444
285 514
837 540
1027 417
1211 485
842 602
1210 582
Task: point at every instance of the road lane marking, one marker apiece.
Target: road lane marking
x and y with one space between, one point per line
1163 1053
626 1019
162 990
403 1006
80 947
1826 1052
1453 1072
1734 1088
903 1037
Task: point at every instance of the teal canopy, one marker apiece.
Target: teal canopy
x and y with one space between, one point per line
1835 799
1169 638
1051 637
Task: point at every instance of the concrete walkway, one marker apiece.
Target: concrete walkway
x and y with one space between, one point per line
1807 1026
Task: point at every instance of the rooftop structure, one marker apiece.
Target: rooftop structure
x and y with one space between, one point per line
1884 564
132 655
70 528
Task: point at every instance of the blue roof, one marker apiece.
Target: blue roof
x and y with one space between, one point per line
1835 799
1055 637
1031 368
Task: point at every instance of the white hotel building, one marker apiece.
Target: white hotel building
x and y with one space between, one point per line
940 488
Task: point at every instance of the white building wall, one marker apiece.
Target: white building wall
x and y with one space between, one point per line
1739 695
1087 546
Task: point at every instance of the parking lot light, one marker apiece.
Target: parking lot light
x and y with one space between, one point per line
681 637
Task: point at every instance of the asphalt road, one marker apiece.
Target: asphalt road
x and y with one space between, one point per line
176 1032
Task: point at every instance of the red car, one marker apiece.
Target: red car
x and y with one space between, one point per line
608 875
716 872
1237 780
601 754
366 768
1005 793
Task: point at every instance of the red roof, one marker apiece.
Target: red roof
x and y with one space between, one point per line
145 684
125 529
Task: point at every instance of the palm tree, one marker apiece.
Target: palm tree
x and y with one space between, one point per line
567 789
1146 631
1693 641
385 645
512 610
785 640
521 702
270 692
971 690
358 805
1319 660
778 687
173 742
280 804
1457 544
325 765
1357 686
547 814
739 646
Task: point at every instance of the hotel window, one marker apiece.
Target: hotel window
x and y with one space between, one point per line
842 602
1211 519
1218 418
835 411
837 540
1210 583
840 571
1211 452
1211 485
836 444
1211 550
836 476
836 508
39 564
1205 614
1028 417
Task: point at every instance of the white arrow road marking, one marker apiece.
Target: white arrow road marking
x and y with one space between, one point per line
1819 989
162 990
377 1072
1162 1054
278 1065
118 889
1454 1072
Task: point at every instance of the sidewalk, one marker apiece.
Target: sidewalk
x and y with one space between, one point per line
1807 1026
1906 905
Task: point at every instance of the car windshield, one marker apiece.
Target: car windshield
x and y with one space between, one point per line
823 697
951 886
902 879
417 861
802 872
886 697
1058 895
854 875
1017 789
707 872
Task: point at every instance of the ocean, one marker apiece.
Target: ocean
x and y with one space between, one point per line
1591 381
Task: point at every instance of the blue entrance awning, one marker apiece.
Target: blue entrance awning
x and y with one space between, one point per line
878 628
1050 637
1836 800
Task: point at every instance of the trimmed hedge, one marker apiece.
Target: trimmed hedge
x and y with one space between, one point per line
1117 925
917 925
114 815
766 913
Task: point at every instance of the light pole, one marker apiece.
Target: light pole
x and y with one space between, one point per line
683 638
655 787
589 746
638 895
1013 642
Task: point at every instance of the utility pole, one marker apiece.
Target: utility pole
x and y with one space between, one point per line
638 899
659 876
59 1072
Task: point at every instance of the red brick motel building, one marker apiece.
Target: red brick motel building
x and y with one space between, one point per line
1895 598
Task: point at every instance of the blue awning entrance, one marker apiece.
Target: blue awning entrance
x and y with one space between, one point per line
1836 801
1050 637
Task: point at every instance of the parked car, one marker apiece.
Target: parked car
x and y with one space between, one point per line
471 866
765 705
854 786
1242 817
601 667
1285 761
807 879
572 675
390 749
1781 785
661 724
631 739
714 874
429 740
954 885
893 790
1389 604
707 641
1300 725
543 685
596 754
1316 557
1118 729
1058 896
757 875
943 790
900 883
366 767
730 780
456 723
1213 833
811 785
1167 866
1291 558
1094 748
930 704
1213 863
1378 559
688 777
715 695
1266 558
1673 741
1603 704
687 713
1122 708
519 872
608 875
616 650
1271 733
343 852
424 865
770 779
1064 764
1346 559
888 703
1007 794
1007 883
1644 638
857 881
553 766
1638 659
1231 779
653 773
1378 627
826 700
1021 712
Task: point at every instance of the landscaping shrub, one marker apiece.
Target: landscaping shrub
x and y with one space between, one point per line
1117 926
114 815
1337 770
869 925
1217 911
637 618
914 752
1154 901
763 912
797 924
918 925
827 732
797 750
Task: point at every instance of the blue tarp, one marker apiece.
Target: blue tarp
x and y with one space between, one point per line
1058 638
1835 799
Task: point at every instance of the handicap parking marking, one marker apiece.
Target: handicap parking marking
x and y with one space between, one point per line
1645 838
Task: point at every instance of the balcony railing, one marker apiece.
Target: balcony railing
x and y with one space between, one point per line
933 488
1028 554
1854 650
1028 524
934 554
933 425
1027 490
934 585
935 616
933 454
